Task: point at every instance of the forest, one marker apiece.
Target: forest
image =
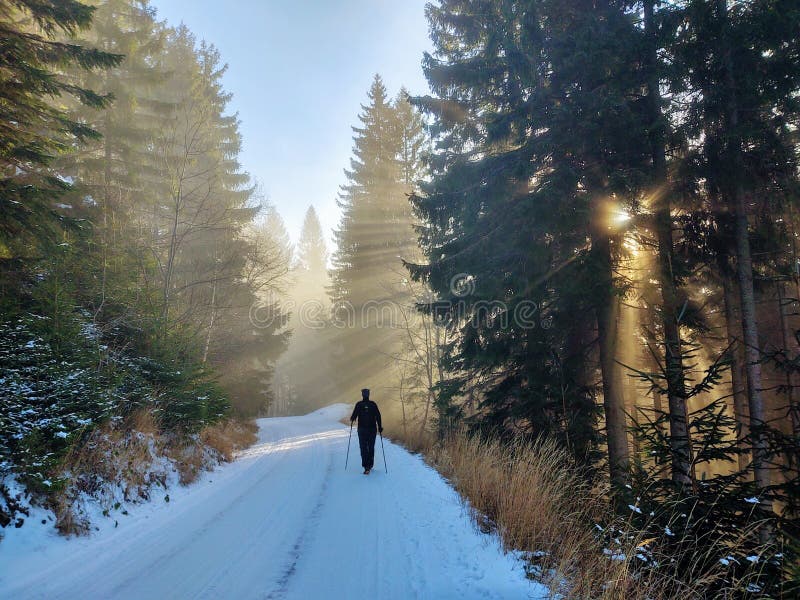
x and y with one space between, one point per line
580 246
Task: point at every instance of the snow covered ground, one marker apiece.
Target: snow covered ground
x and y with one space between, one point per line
283 521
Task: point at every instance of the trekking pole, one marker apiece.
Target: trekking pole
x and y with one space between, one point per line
384 454
348 446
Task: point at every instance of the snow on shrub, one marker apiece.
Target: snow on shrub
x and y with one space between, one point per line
56 392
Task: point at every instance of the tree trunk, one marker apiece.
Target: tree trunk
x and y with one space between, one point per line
577 381
607 312
680 444
106 199
744 268
790 347
403 404
738 380
606 307
170 266
213 313
744 265
430 356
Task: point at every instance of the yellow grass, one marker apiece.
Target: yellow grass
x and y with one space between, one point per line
531 495
112 454
228 437
123 453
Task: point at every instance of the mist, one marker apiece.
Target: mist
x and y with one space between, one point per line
573 236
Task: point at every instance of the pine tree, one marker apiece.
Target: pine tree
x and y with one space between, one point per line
118 172
523 199
34 129
303 372
745 85
312 250
373 236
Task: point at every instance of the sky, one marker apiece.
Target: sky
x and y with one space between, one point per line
299 71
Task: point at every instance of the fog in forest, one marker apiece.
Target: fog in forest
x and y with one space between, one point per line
583 234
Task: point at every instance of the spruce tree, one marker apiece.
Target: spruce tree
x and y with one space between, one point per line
373 236
204 198
35 129
118 172
303 372
312 252
525 189
252 334
412 140
744 102
570 137
669 271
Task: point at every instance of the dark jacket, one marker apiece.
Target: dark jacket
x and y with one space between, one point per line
368 415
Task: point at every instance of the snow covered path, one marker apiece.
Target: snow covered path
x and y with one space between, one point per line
283 521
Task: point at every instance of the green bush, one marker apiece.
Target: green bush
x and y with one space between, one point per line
52 395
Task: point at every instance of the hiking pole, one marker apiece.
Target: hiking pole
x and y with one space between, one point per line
384 454
348 446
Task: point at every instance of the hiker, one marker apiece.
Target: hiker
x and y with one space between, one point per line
369 424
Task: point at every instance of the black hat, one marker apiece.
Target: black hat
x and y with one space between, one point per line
365 393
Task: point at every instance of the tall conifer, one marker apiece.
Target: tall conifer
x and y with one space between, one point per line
35 129
374 235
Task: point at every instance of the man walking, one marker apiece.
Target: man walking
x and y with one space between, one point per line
369 424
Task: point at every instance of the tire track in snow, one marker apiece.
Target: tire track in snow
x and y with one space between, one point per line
161 550
152 543
241 556
260 541
171 552
271 459
282 585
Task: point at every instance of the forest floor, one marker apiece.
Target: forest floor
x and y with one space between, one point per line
285 520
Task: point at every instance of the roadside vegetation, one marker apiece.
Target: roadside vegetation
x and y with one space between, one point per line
533 496
132 250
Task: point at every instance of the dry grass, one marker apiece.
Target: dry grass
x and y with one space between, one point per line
538 504
216 443
118 454
531 495
120 459
188 456
142 421
229 437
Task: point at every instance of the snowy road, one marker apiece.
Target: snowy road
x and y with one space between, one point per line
283 521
